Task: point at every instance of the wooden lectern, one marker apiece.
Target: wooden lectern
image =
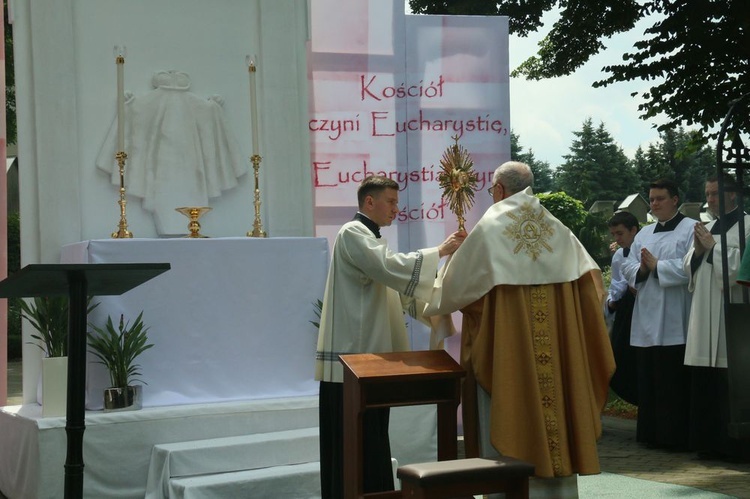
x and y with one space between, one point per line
77 281
397 379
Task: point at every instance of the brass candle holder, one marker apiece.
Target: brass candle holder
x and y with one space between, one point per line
122 231
257 225
194 213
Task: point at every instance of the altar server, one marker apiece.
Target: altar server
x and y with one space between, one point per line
367 291
533 340
620 301
706 348
660 319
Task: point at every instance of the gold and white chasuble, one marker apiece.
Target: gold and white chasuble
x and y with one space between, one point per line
533 335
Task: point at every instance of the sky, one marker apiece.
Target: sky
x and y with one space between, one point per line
545 113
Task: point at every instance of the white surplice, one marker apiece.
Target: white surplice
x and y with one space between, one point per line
366 293
706 337
618 284
662 305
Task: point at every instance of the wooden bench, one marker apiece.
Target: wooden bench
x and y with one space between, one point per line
466 478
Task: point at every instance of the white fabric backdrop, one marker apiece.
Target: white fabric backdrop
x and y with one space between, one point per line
66 95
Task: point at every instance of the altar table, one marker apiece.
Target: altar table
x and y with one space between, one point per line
230 321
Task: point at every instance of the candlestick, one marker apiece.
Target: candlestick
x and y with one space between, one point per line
120 155
257 224
252 69
120 62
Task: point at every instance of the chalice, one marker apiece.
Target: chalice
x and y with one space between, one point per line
194 213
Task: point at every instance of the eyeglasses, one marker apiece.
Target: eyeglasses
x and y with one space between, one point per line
492 188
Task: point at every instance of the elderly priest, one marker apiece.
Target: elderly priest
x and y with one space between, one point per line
533 336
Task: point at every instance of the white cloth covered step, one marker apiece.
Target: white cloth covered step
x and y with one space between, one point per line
296 481
227 455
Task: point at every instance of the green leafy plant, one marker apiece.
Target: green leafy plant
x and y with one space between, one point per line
318 309
118 348
49 316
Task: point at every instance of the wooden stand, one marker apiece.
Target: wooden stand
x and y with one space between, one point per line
397 379
77 281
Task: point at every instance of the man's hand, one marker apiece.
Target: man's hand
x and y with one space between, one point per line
613 247
702 239
648 260
450 245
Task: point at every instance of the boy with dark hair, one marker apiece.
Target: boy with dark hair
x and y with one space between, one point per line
623 226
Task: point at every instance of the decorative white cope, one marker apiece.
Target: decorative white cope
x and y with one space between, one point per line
530 231
180 150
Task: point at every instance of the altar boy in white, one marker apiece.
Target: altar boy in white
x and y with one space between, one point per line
367 290
706 349
660 318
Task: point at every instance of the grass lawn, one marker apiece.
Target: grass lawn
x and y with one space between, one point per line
618 408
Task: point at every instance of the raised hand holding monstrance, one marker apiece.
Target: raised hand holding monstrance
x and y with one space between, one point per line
458 180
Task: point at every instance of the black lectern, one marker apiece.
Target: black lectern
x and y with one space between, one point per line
78 281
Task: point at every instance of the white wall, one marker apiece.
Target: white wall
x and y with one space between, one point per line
66 99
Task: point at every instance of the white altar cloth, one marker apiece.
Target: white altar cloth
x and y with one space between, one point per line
229 321
199 458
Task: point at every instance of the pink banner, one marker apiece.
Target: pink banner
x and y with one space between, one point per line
388 92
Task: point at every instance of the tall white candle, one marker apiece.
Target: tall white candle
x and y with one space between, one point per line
120 62
251 67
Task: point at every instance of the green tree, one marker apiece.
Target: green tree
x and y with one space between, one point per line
10 82
543 174
596 168
644 169
695 56
676 156
591 229
565 208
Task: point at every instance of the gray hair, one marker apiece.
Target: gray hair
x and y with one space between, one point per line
514 176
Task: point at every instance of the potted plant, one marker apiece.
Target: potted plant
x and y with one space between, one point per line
49 316
117 348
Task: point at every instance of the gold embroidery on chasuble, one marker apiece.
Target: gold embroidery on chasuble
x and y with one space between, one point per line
530 231
545 371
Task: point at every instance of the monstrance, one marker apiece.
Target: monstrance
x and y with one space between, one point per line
458 180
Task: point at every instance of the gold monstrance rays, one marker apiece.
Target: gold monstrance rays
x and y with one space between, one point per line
458 180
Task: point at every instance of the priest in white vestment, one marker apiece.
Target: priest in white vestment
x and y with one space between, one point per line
660 318
368 288
533 337
706 347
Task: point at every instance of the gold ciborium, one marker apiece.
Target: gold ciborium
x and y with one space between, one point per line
194 213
